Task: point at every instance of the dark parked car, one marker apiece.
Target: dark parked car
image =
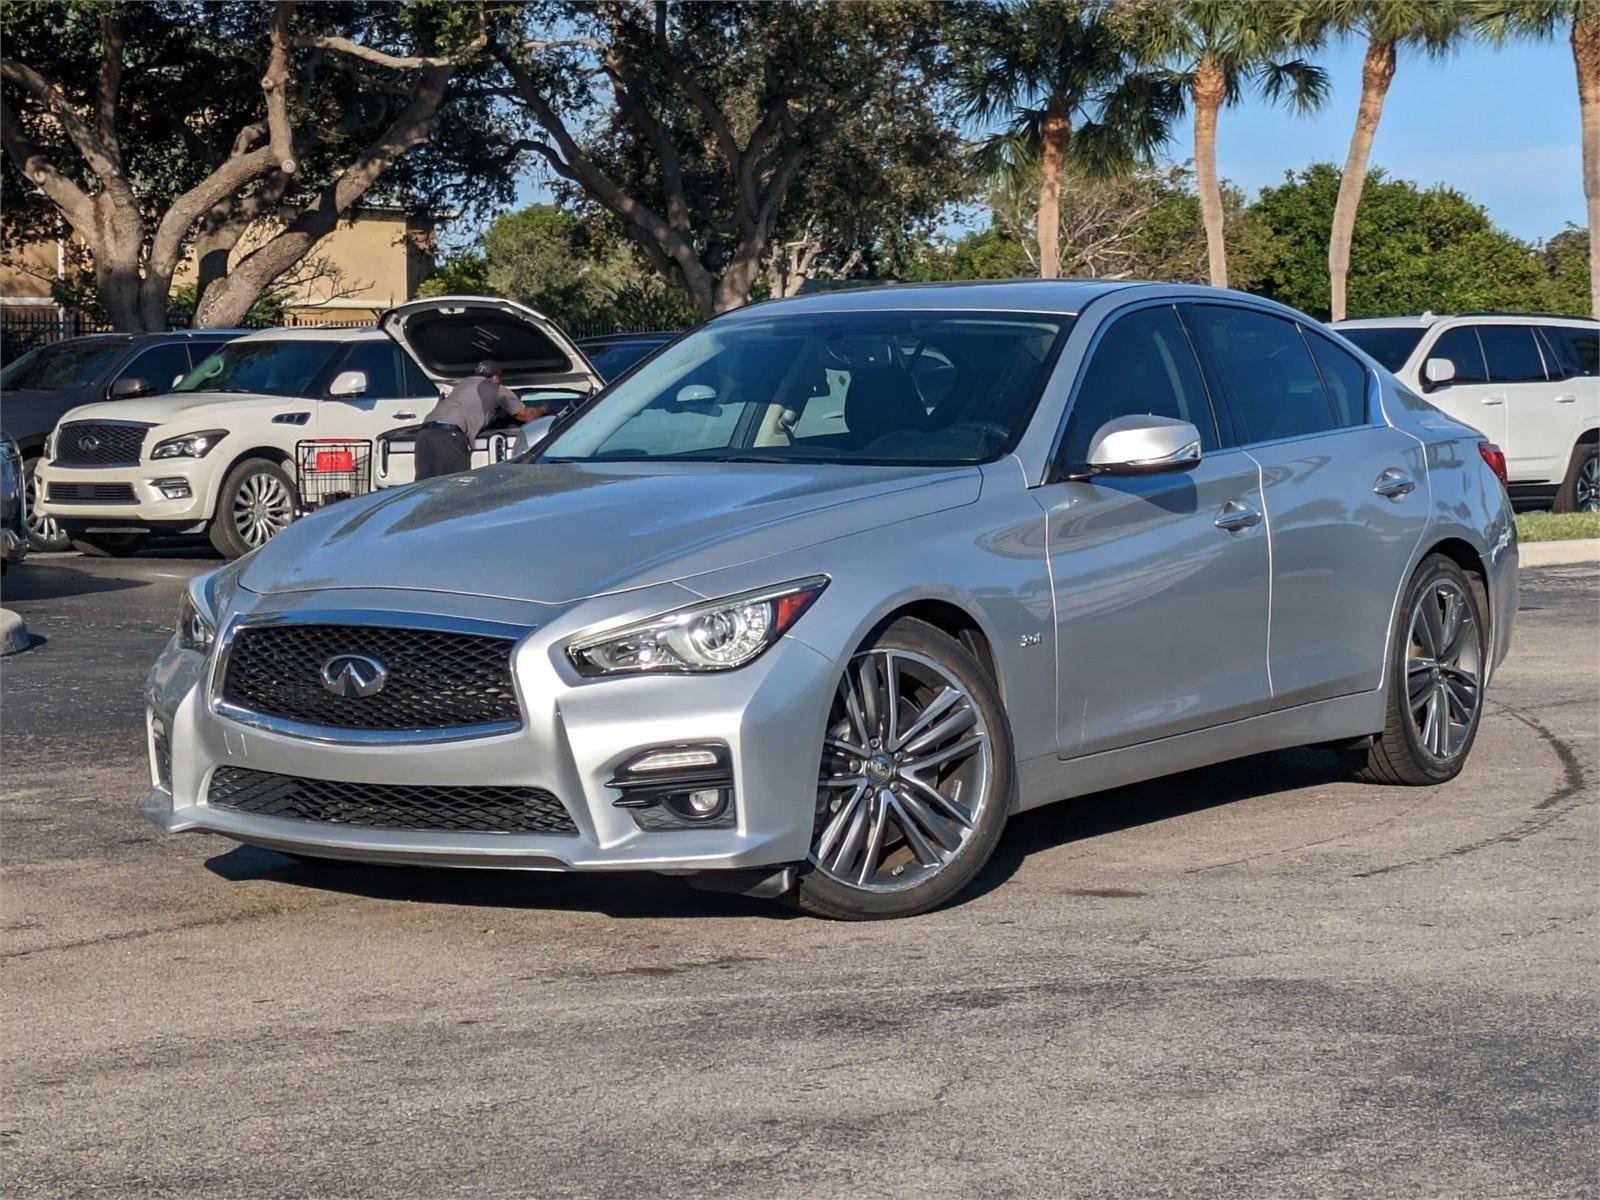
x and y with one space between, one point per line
39 387
615 353
13 505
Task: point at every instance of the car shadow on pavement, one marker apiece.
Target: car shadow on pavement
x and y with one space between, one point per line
57 579
621 894
642 894
1101 813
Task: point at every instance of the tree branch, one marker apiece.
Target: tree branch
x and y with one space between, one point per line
74 203
101 161
108 89
275 88
397 62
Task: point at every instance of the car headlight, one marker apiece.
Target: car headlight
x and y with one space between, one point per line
717 635
190 445
197 614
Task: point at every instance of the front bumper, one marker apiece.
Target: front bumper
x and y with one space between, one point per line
574 736
151 507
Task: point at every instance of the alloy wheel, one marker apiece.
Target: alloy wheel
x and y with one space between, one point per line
262 508
1443 669
1586 496
43 532
907 768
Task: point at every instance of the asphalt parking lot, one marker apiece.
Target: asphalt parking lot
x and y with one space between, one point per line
1253 980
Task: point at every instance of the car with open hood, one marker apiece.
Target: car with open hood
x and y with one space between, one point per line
280 422
812 601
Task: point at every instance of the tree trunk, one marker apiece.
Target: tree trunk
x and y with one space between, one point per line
1055 134
1377 72
1586 57
1210 89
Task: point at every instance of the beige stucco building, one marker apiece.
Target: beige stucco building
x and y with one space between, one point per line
374 259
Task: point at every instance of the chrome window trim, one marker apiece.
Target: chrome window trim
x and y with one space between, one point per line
340 735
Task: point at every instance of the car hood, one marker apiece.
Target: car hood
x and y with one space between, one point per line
558 532
173 406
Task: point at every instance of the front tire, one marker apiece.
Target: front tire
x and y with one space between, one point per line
1437 667
44 533
1580 490
109 545
256 503
915 782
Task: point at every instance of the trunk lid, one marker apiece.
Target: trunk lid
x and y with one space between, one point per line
448 335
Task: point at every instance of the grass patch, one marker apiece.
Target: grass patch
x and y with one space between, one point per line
1557 527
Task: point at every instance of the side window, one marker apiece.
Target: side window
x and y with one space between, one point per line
1263 367
380 361
1345 377
414 382
1143 364
1460 346
159 366
1512 353
1576 349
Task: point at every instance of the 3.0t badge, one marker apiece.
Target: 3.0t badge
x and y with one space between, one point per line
354 675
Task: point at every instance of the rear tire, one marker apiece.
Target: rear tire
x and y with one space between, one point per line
910 806
109 545
1436 672
44 533
256 503
1580 490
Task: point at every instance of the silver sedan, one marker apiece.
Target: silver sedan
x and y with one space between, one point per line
813 601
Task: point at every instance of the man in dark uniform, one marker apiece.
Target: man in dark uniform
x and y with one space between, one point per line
444 443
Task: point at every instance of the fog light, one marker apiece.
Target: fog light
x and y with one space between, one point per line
704 803
675 760
173 489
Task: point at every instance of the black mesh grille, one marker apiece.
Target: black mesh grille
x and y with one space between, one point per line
89 442
391 806
92 493
435 680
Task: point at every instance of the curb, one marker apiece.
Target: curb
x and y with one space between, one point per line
13 633
1559 554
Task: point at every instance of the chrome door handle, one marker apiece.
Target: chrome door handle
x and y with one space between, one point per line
1236 515
1566 399
1394 483
1494 400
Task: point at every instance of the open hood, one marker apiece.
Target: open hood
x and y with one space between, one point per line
448 335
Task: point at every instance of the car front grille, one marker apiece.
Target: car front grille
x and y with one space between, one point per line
436 680
89 443
391 806
91 493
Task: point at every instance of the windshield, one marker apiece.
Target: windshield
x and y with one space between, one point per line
62 365
934 388
275 367
611 359
1391 346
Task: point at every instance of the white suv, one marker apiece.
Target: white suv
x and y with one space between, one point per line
1529 381
277 422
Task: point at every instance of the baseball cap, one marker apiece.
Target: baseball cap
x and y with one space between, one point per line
487 366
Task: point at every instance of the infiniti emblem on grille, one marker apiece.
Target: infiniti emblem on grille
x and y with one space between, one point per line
88 443
354 675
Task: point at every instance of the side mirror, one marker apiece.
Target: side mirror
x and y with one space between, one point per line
1143 445
348 383
697 393
1437 372
127 389
534 432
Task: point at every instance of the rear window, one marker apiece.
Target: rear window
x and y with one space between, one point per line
1576 348
451 344
1390 346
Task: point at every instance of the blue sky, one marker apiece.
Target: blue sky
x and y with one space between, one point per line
1500 125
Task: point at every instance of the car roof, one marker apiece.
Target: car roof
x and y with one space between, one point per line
618 339
317 333
1055 296
1427 320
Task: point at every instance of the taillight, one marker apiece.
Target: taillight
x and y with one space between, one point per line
1495 457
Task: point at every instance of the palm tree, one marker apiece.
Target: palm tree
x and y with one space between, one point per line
1433 26
1499 20
1064 82
1216 49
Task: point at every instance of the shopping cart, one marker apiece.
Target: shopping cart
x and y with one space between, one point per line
328 469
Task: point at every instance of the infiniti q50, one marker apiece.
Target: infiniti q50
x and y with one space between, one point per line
816 598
